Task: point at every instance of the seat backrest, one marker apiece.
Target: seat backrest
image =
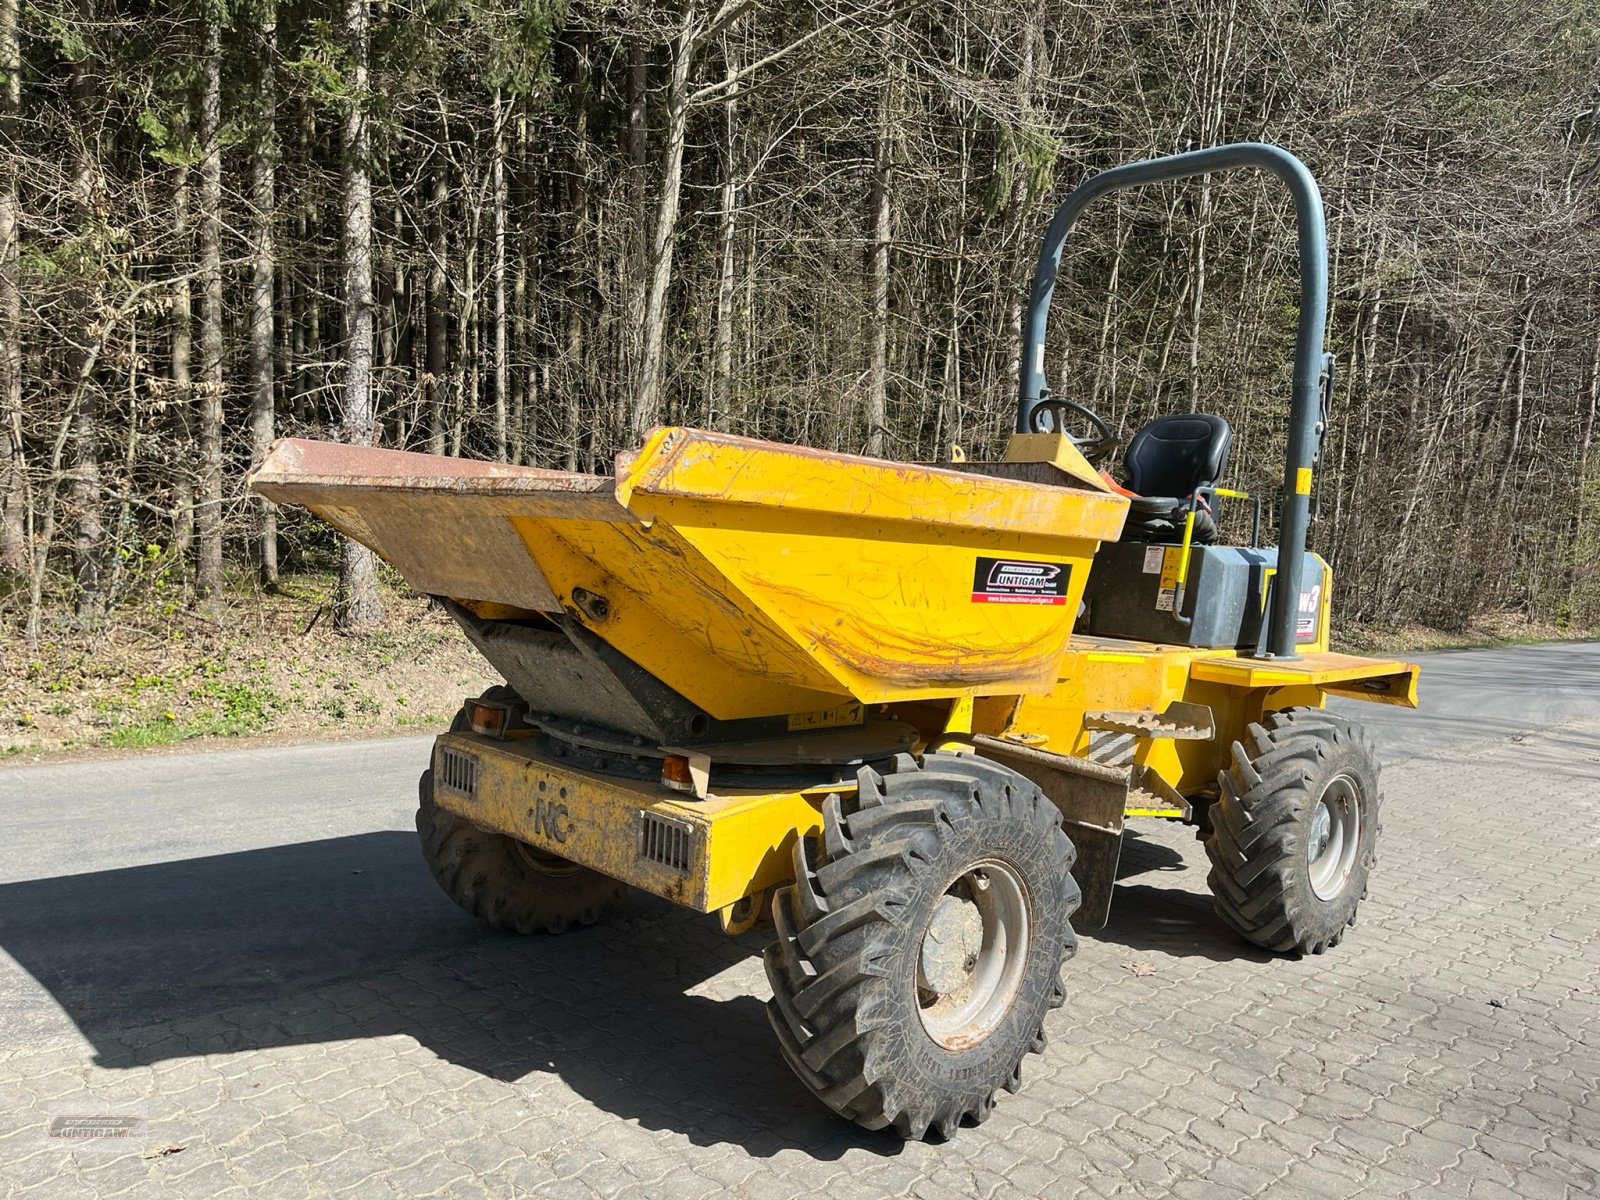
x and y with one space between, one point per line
1173 455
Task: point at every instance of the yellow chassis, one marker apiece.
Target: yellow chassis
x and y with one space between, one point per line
1103 728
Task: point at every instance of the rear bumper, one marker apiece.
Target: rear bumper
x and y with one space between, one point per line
702 854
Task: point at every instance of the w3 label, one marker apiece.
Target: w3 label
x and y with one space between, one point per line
1019 581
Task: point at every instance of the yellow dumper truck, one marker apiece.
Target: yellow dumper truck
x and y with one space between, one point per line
898 711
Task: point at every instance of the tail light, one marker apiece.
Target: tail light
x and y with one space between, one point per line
489 718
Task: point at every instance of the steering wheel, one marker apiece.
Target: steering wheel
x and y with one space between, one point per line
1051 415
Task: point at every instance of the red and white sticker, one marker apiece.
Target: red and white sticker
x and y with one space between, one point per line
1019 581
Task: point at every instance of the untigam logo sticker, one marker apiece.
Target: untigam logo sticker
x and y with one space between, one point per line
1019 581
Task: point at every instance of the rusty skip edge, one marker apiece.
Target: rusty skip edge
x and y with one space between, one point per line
295 463
305 471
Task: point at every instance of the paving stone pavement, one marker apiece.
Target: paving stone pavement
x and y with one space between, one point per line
634 1060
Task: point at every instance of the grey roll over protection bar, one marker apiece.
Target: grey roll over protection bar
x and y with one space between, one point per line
1305 407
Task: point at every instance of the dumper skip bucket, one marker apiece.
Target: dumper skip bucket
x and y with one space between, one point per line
754 578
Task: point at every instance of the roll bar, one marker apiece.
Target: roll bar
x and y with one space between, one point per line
1304 412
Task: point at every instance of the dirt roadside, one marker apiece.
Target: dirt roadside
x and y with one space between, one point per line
270 669
258 669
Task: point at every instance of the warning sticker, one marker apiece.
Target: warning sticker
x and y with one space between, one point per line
828 718
1019 581
1152 560
1171 559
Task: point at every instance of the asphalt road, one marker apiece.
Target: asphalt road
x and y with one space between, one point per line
1473 697
293 834
226 913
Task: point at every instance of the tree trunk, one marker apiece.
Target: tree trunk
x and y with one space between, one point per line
721 400
208 512
878 275
180 315
578 374
13 477
263 187
497 184
358 606
82 356
438 306
636 266
1020 210
523 365
646 406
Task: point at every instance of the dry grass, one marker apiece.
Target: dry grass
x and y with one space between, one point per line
255 666
272 668
1488 629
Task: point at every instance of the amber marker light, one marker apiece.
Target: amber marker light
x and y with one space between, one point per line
675 773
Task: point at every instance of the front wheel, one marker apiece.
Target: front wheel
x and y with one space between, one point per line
1294 831
913 968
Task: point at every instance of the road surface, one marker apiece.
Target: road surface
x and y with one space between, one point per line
241 952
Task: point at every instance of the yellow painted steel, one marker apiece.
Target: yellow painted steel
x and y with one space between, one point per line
754 578
1057 450
829 571
1387 680
739 842
761 580
733 844
1188 546
1126 676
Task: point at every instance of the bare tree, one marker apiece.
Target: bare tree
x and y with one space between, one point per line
647 395
810 222
438 303
358 605
85 406
720 401
208 508
497 185
13 466
180 317
264 206
882 235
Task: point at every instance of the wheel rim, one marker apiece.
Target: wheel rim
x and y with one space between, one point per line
1334 838
973 954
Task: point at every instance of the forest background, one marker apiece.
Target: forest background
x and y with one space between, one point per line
530 231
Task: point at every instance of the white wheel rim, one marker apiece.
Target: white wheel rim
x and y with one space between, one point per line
973 955
1334 837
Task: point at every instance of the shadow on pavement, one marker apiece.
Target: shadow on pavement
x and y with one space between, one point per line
349 938
1141 855
1175 918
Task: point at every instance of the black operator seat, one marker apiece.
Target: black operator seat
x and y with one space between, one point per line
1166 461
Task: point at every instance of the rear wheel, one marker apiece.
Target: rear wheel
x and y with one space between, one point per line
501 880
1294 831
917 955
